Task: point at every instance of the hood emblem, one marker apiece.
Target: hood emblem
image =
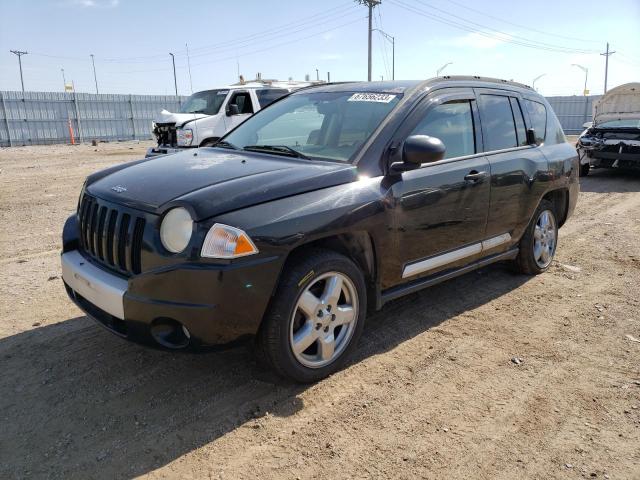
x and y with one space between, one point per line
119 188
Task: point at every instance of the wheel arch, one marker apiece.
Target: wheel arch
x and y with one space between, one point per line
560 200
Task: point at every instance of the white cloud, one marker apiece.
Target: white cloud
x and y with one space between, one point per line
94 3
477 40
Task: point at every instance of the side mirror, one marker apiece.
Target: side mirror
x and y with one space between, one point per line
531 136
232 109
419 149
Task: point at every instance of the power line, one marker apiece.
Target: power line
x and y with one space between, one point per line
519 25
502 37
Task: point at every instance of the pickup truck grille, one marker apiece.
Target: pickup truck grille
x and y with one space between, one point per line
111 235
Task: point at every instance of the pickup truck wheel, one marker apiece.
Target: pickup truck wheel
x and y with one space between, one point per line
584 169
316 316
538 244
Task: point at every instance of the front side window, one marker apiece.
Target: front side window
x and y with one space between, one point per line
322 125
497 122
243 101
452 123
207 102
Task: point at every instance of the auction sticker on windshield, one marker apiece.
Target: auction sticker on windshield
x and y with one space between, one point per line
371 97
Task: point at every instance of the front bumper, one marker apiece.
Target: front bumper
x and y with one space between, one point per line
216 304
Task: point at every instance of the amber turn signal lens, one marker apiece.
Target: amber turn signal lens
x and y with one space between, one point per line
223 241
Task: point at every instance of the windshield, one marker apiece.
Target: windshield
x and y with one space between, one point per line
625 123
326 126
208 102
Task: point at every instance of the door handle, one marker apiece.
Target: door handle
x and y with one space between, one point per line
474 176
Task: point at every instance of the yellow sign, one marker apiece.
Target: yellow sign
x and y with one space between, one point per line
68 87
586 92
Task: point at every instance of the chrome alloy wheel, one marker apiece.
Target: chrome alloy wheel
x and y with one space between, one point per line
324 320
544 239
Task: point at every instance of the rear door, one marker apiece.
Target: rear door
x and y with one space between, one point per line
516 167
440 209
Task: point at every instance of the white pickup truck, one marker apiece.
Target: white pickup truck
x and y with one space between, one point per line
208 115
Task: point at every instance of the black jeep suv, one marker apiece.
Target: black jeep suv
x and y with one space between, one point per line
332 199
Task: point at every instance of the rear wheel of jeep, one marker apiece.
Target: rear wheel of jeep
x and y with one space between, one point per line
539 242
316 317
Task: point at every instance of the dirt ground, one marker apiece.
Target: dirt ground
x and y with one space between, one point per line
432 393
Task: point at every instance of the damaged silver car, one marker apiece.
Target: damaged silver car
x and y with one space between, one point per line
613 139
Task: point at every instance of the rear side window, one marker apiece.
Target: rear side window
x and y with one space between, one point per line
538 115
517 116
498 126
270 95
453 124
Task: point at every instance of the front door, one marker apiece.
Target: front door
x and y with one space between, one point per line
440 209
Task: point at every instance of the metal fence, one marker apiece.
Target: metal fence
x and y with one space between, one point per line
573 111
39 118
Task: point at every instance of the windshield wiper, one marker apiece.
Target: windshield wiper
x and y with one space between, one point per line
225 144
277 149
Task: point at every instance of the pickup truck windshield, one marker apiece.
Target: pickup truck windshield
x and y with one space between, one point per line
321 125
208 102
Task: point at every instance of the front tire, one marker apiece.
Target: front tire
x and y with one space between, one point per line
584 169
316 317
539 242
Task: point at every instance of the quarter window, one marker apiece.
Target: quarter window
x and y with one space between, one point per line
538 116
497 122
517 116
452 123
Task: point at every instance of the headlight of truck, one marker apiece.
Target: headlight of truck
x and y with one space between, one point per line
223 241
176 229
185 137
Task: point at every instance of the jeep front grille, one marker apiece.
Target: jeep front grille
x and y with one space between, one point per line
111 235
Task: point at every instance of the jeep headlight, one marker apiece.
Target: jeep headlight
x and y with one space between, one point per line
185 137
176 229
223 241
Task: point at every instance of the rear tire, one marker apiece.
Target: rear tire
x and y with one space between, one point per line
316 317
539 242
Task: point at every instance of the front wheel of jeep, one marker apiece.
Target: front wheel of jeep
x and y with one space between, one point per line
316 316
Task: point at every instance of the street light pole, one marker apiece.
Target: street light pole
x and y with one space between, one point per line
175 81
393 51
95 78
19 54
533 84
586 74
64 81
442 68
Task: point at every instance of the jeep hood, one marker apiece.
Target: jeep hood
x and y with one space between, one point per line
212 181
178 118
618 103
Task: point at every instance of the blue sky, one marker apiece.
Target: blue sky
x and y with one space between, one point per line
131 40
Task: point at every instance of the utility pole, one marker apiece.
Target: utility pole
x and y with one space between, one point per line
328 77
317 75
393 51
95 78
371 4
19 54
175 82
606 65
